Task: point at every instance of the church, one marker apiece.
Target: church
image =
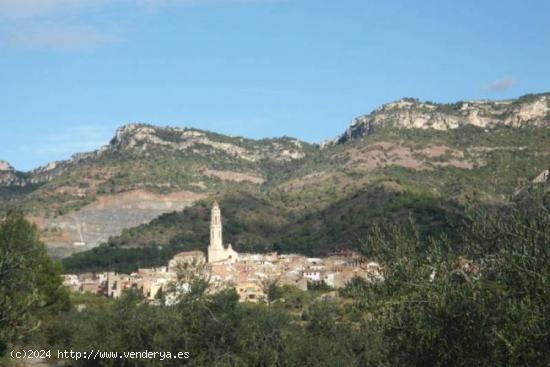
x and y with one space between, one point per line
216 250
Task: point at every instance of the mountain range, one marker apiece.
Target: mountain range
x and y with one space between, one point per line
405 157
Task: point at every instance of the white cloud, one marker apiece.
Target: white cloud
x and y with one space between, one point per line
500 85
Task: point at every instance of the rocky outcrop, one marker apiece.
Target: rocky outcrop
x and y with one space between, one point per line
543 177
11 178
530 110
8 175
141 137
49 172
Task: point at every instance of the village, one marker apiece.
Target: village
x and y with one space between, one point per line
224 267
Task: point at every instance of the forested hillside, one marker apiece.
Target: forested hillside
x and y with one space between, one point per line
484 304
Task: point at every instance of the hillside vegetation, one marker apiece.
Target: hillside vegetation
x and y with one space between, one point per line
408 156
484 304
254 224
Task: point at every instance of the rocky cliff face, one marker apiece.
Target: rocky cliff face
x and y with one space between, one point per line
8 175
141 137
530 110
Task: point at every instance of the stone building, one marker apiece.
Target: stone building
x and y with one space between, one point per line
216 250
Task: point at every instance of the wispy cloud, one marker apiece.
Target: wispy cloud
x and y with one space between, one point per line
30 8
500 85
60 37
34 8
52 24
22 21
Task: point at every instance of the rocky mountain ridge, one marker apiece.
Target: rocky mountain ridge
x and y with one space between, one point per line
140 139
10 177
408 113
142 136
405 146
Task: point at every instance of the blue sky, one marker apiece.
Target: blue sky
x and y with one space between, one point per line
72 71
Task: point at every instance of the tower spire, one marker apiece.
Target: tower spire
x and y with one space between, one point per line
216 240
216 250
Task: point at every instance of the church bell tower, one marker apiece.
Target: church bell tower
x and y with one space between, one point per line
216 249
216 227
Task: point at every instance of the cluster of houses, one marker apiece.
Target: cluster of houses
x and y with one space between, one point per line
249 274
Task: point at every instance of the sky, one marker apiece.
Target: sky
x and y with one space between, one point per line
72 71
